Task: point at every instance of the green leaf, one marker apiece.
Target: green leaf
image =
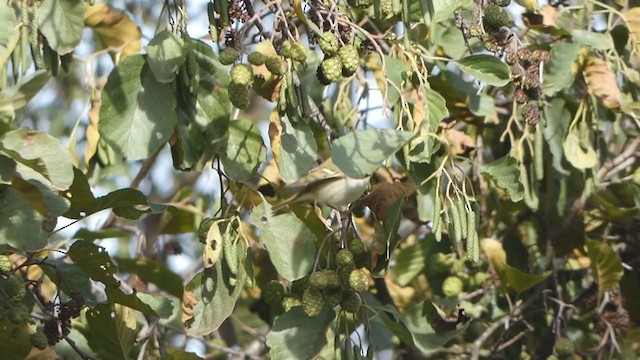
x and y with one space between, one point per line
26 88
290 243
112 337
559 71
605 263
392 223
579 156
298 150
153 271
505 175
444 9
20 224
410 262
160 304
594 40
391 318
80 196
62 22
521 281
516 279
69 278
138 113
165 54
296 336
40 157
125 203
424 335
96 263
214 299
208 61
556 124
245 150
394 68
7 21
7 169
14 348
486 68
40 197
360 153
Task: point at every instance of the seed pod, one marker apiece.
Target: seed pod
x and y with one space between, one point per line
436 225
304 100
230 252
538 153
193 71
455 230
473 247
462 211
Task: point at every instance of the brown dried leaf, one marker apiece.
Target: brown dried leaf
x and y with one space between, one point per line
459 141
113 29
549 15
602 82
189 301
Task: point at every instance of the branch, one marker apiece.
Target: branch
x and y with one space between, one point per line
135 183
626 158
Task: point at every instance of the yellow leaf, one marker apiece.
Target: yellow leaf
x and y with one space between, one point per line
113 29
602 83
531 5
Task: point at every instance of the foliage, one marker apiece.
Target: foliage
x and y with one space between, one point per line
480 156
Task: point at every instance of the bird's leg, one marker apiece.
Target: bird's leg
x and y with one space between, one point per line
346 221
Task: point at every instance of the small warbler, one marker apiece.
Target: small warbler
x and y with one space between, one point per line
328 185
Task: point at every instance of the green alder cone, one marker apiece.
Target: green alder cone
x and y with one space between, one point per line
15 288
286 49
344 258
289 302
273 292
239 95
344 272
350 60
351 302
5 264
439 264
276 65
361 4
228 56
242 74
312 302
565 348
495 16
298 52
329 44
19 314
330 70
452 286
359 280
256 58
39 340
502 3
325 279
332 297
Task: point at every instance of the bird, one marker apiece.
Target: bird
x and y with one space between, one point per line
328 185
